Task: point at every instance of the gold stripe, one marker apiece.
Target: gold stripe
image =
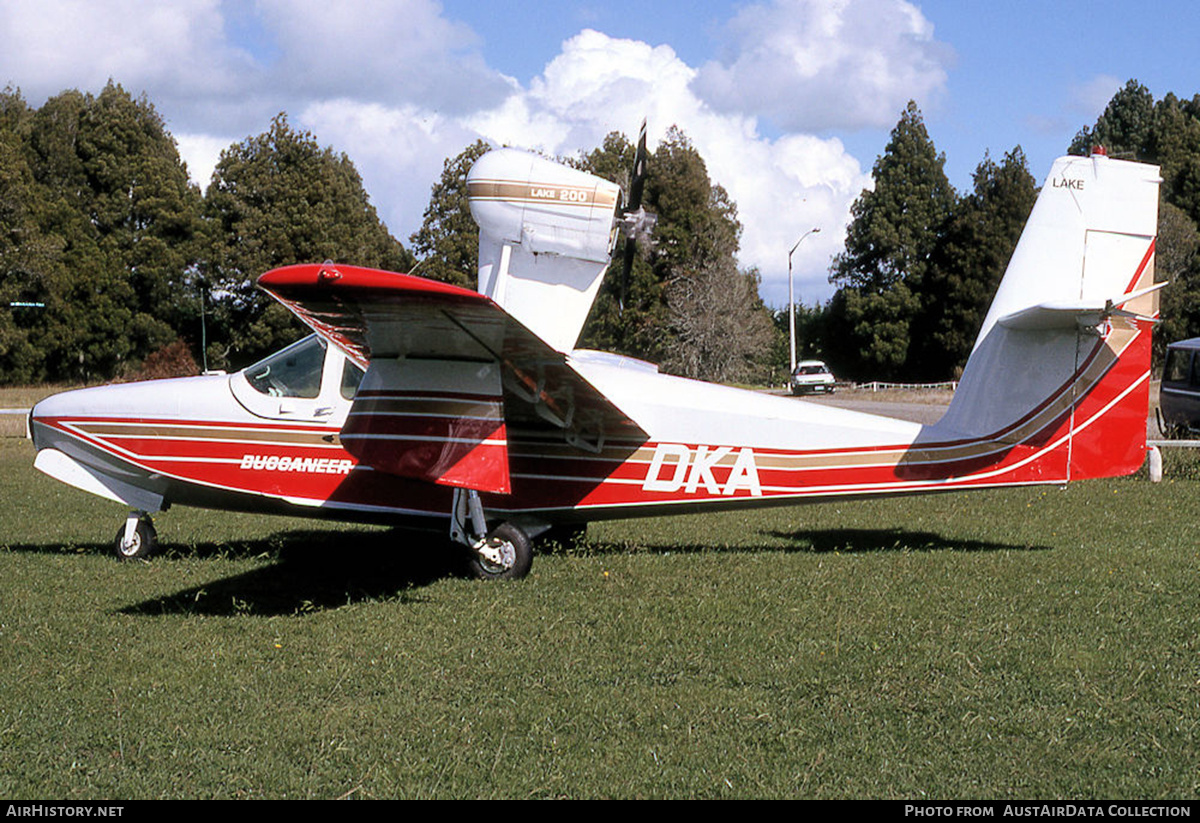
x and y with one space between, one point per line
541 193
168 432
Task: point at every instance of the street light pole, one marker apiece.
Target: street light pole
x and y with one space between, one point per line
792 301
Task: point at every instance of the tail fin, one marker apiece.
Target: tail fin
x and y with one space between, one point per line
1063 358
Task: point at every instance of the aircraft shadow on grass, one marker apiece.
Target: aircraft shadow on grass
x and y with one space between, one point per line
844 541
303 571
859 541
306 576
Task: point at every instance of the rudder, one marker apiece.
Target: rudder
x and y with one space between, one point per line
1063 357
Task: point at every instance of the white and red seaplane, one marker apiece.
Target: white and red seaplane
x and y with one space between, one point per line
423 404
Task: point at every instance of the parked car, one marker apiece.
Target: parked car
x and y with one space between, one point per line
1179 397
810 377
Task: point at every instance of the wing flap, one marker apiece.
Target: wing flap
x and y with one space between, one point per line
449 375
436 420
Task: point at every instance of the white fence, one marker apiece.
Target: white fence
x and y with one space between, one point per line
876 385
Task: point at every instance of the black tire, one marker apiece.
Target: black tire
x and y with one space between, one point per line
1176 432
145 541
521 553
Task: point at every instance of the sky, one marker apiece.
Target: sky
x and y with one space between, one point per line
790 102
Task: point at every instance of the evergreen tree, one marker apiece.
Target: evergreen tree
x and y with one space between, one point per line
870 331
21 245
717 327
889 247
1177 261
106 221
278 199
1174 144
1125 126
447 244
139 199
639 327
968 264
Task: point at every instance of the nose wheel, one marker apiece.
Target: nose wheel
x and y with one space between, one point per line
137 538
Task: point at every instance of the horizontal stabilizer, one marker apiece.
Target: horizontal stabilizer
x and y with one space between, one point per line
1054 316
1077 314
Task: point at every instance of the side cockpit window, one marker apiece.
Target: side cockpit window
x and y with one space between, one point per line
352 375
293 372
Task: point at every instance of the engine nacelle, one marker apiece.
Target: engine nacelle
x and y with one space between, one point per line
545 236
545 207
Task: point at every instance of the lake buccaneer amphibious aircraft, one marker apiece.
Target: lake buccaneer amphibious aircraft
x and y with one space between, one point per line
423 404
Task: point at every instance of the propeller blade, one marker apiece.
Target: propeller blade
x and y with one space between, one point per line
633 205
638 182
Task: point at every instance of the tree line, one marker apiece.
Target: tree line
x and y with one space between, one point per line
108 254
922 262
111 260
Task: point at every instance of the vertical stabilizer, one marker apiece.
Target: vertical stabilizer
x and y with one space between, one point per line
1064 352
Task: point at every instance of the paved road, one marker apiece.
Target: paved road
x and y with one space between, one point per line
916 412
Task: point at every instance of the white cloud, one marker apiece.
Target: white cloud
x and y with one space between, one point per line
817 64
398 151
201 152
595 85
1090 99
182 55
782 187
381 51
175 49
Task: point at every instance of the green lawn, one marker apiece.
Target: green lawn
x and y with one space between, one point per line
1035 643
21 397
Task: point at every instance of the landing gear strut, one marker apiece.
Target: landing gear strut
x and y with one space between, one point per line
504 553
137 538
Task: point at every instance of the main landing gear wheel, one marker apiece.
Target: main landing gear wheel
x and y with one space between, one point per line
142 543
509 554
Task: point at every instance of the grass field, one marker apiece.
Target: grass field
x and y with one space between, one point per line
1034 643
21 397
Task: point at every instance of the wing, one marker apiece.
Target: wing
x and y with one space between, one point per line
449 375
